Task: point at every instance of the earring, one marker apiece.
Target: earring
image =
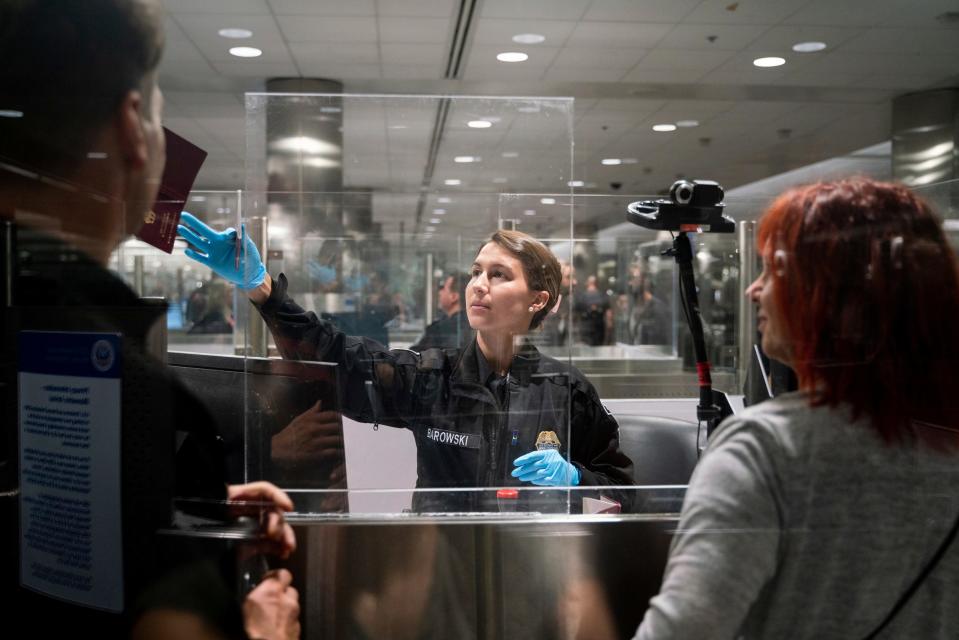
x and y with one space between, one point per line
531 309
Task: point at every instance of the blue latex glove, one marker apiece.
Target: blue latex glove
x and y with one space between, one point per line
547 468
217 250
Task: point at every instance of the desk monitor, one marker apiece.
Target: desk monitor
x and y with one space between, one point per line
289 441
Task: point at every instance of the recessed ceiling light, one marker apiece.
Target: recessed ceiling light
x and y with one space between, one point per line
246 52
769 61
479 124
444 200
687 123
452 182
512 56
575 183
511 154
809 47
664 127
10 113
548 200
630 160
435 221
439 212
530 212
611 161
465 159
235 33
528 38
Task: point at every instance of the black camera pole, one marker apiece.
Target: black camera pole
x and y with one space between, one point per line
692 206
706 411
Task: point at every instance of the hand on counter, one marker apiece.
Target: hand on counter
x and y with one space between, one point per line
277 532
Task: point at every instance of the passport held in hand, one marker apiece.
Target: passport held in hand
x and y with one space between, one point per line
183 162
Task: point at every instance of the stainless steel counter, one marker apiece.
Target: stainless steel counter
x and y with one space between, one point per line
478 576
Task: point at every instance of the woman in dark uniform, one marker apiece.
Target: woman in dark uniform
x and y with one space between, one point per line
475 412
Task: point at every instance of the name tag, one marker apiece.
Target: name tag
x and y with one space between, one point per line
465 440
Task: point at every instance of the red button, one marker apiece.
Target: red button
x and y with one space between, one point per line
508 494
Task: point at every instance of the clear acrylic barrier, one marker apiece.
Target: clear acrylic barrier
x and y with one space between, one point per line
378 276
200 305
358 409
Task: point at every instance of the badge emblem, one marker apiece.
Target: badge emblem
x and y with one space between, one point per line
547 440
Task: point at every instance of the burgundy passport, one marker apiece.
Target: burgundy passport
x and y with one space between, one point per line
183 162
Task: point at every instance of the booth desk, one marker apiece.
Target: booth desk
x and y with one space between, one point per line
366 567
482 575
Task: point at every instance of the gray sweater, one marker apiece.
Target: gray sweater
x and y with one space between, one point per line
799 523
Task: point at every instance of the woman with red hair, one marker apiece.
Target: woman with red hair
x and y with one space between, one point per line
830 512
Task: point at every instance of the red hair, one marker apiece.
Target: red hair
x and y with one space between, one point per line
868 289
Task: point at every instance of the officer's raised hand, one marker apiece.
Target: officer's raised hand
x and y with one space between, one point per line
217 250
546 468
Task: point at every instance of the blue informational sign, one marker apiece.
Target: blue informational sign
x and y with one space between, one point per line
69 416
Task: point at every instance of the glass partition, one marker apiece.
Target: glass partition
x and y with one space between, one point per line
363 388
377 423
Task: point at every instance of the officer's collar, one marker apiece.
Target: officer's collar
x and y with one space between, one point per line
473 367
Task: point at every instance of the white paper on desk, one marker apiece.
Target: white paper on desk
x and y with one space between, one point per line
603 505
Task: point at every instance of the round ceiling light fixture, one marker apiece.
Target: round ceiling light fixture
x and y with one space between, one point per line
769 61
809 47
246 52
235 33
512 56
664 127
479 124
528 38
609 162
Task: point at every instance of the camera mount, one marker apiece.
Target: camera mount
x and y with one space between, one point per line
695 206
692 206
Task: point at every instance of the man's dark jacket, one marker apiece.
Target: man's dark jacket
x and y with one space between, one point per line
57 288
465 436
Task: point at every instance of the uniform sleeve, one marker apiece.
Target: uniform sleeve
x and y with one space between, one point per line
595 449
726 547
376 384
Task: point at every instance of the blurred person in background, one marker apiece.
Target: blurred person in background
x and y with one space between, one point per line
452 330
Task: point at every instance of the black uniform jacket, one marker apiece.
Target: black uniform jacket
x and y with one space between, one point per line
465 436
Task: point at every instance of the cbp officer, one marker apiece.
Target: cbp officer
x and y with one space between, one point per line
475 412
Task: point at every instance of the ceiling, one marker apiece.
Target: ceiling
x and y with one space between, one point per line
629 64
